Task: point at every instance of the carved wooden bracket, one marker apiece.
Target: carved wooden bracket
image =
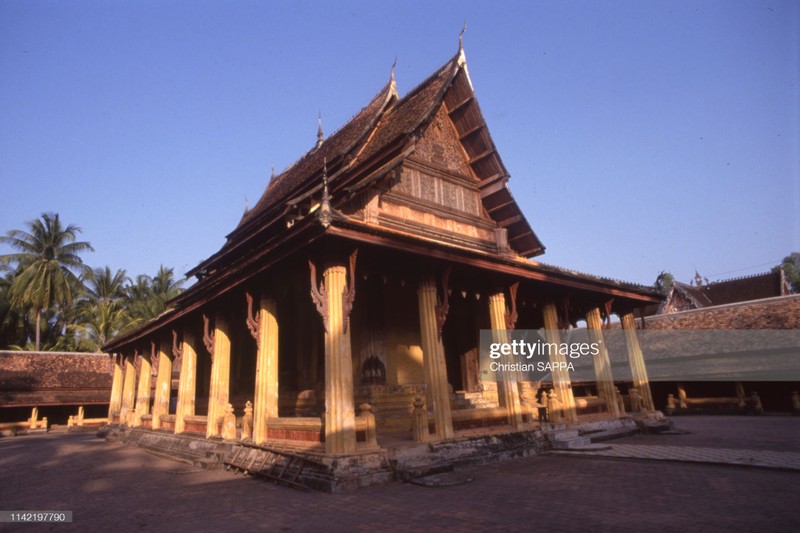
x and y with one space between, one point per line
318 296
177 351
135 355
253 322
512 316
607 316
443 304
349 294
208 337
563 315
325 211
153 359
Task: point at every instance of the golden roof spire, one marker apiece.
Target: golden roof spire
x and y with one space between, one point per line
319 130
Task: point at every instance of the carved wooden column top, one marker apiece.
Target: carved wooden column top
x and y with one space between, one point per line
177 351
319 294
208 337
511 314
252 321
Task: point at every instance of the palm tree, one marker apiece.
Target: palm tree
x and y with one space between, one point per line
47 265
148 296
12 322
103 286
101 314
165 285
99 323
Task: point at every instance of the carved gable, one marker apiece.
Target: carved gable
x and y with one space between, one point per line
435 195
440 145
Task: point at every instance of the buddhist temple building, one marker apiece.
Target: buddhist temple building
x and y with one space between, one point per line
345 308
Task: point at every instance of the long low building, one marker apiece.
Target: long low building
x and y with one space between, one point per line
768 365
56 383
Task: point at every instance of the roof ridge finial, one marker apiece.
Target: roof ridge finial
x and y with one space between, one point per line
391 77
319 130
461 37
246 205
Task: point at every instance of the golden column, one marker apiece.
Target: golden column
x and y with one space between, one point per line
561 381
143 392
602 364
128 392
340 434
163 384
219 389
115 402
510 389
636 360
437 392
266 393
187 382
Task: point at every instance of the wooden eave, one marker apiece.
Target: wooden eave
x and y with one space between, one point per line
208 289
398 240
265 243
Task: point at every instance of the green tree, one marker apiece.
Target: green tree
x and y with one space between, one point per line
148 297
13 325
101 313
664 282
47 266
791 269
103 286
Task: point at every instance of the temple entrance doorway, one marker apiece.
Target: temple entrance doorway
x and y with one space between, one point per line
461 337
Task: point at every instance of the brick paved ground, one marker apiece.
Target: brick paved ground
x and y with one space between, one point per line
773 433
111 487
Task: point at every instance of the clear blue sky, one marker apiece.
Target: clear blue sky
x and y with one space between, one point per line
640 136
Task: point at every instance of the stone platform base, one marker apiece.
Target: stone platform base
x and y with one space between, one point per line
424 459
187 448
399 460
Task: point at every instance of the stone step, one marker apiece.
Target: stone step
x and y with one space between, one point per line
564 434
467 405
655 426
470 395
407 473
207 463
477 403
571 444
447 479
586 448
